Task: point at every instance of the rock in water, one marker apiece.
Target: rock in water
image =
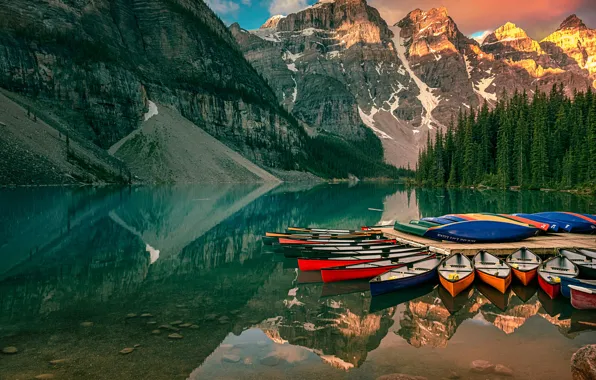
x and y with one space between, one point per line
146 315
270 361
176 323
10 350
185 325
156 332
229 358
500 369
131 315
583 363
126 350
194 327
57 361
481 366
86 324
175 336
44 376
400 376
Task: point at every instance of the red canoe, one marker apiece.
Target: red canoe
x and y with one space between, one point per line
315 263
583 298
369 270
551 270
361 242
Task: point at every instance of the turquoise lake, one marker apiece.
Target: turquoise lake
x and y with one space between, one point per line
88 272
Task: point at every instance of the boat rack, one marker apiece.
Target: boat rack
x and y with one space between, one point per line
541 245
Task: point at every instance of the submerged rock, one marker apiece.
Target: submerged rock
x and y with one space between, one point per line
194 327
481 366
229 358
270 361
168 327
156 332
146 315
175 323
44 376
86 324
400 376
185 325
583 363
175 336
10 350
131 315
126 350
210 317
57 361
224 320
502 370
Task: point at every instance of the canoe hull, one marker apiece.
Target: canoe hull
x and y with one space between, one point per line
587 272
566 281
552 289
582 300
309 265
480 231
499 283
525 277
456 287
332 275
377 288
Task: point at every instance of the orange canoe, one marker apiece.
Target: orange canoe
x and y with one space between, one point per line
493 271
524 265
456 273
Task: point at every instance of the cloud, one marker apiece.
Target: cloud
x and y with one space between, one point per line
223 7
537 17
285 7
248 3
480 36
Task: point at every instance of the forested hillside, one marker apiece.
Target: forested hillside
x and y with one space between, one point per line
534 140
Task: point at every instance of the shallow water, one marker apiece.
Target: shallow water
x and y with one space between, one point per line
193 254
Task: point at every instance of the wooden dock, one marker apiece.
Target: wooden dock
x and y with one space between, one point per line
542 245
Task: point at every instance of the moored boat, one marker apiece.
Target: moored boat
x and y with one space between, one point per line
327 254
571 222
585 264
583 298
368 270
524 265
492 270
318 263
540 225
411 275
566 281
334 242
474 231
551 271
553 225
456 273
326 235
293 230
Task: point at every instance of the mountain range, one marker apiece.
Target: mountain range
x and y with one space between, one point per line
163 91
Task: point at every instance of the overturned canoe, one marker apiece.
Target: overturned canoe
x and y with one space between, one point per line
474 231
571 222
368 270
318 263
553 225
524 265
493 271
456 273
550 273
540 225
415 274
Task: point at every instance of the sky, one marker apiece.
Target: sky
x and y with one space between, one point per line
473 17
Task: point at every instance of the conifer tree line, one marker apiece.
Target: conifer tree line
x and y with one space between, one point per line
543 140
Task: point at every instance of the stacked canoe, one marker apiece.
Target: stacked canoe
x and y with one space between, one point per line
497 228
344 255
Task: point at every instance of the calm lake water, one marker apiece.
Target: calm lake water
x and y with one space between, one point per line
85 273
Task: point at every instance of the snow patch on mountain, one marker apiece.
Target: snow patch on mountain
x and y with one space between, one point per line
482 85
427 98
369 121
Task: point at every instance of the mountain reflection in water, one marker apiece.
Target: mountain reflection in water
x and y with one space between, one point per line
134 260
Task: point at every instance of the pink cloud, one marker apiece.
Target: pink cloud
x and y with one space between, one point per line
537 17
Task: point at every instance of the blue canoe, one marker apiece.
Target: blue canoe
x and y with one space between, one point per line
473 231
413 275
571 222
438 220
553 224
566 281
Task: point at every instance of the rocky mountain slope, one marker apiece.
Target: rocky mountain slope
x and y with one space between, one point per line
98 66
339 57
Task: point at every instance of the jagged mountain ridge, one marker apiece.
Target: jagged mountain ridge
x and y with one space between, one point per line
422 72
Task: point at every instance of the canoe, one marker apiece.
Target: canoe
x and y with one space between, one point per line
337 243
456 273
524 265
586 265
540 225
368 270
425 223
387 300
411 275
583 298
480 231
329 236
495 218
553 224
587 252
493 271
566 281
327 230
551 271
328 254
571 222
316 263
438 220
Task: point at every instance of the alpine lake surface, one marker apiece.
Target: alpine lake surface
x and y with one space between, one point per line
173 282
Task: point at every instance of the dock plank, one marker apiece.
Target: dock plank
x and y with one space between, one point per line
543 245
